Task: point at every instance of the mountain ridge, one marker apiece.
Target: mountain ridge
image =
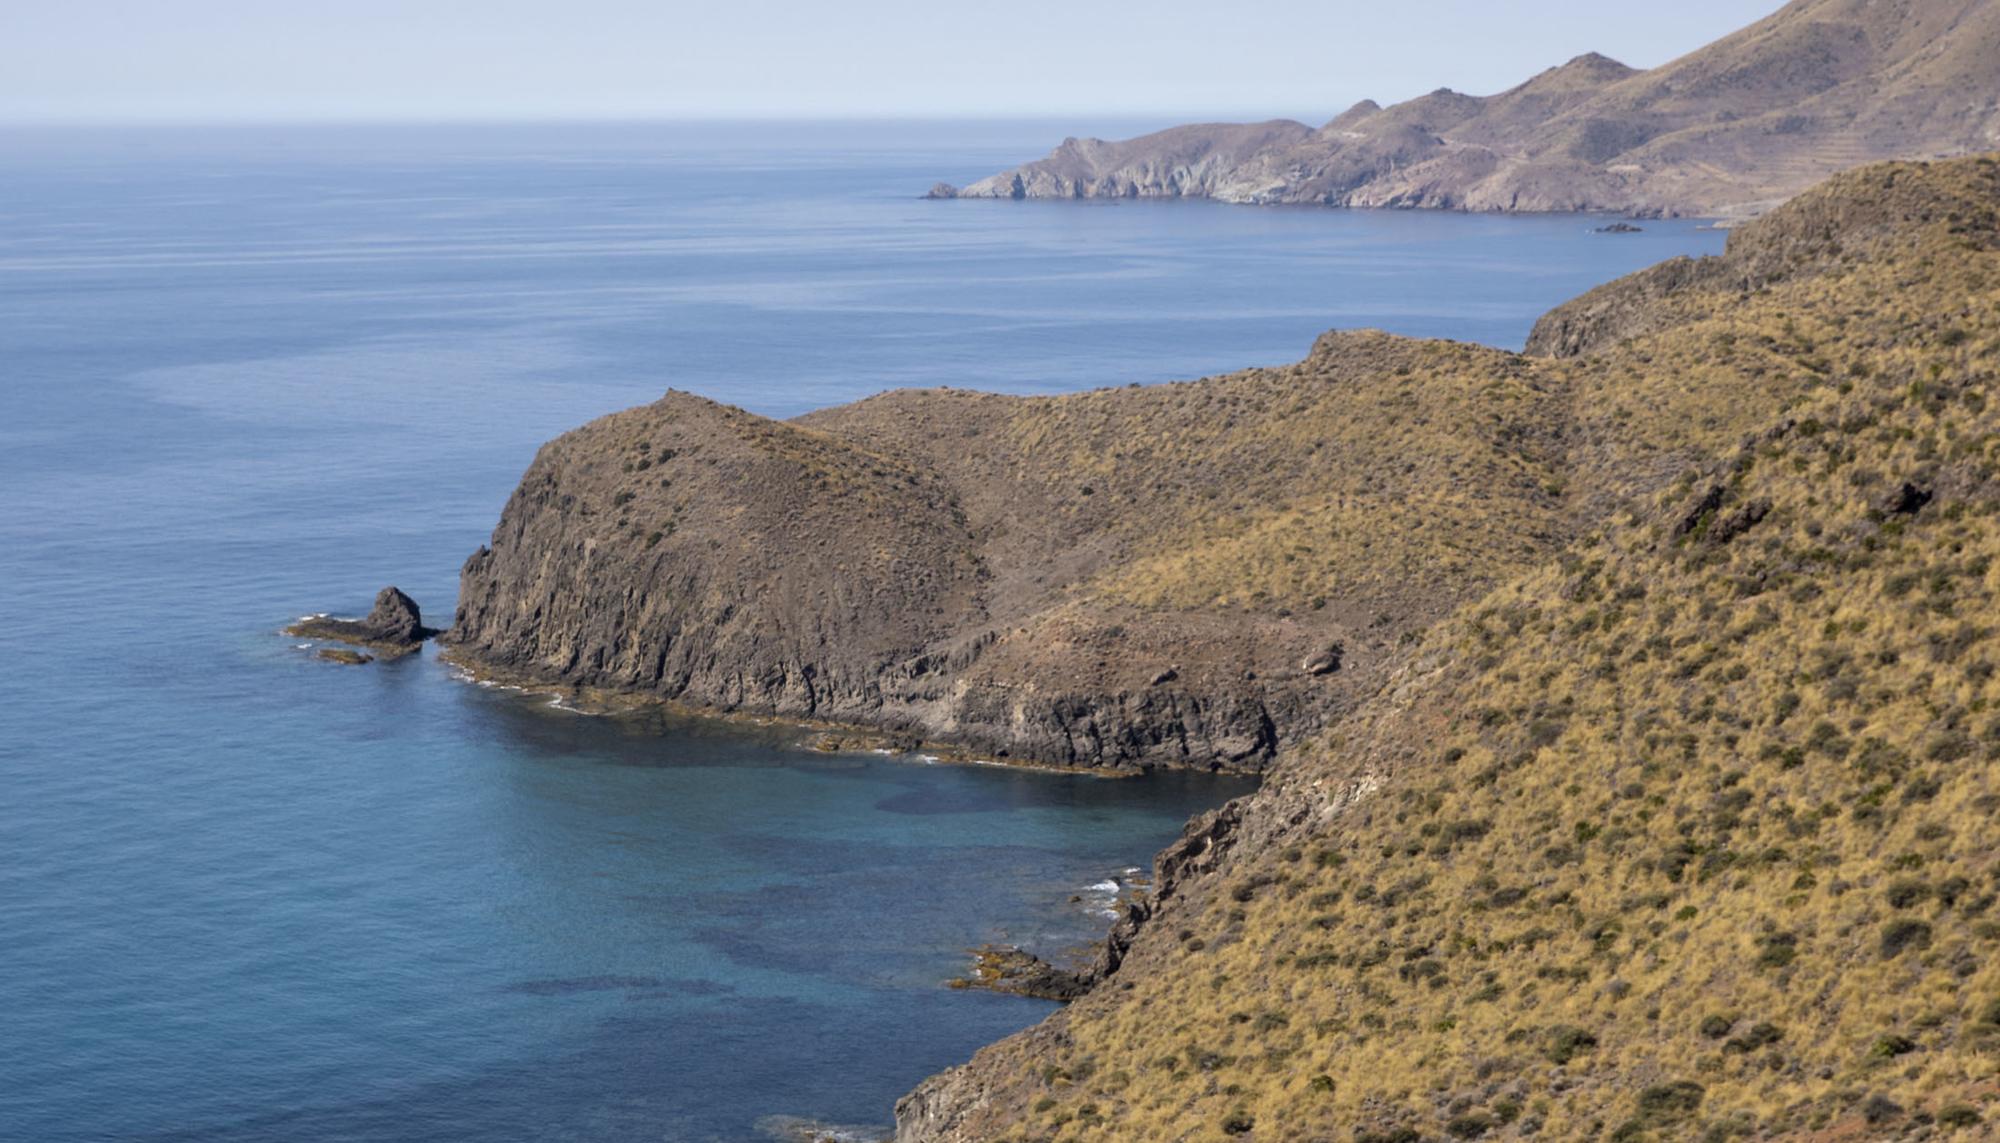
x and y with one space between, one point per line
1727 130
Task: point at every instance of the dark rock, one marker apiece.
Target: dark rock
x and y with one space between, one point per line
394 626
1738 522
342 655
1620 228
942 190
1907 500
863 741
1701 512
1166 676
1004 968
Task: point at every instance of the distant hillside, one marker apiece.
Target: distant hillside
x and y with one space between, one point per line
1685 833
1821 86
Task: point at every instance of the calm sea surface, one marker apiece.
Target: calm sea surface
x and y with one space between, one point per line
248 374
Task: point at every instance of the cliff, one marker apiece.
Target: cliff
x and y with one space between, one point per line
1682 832
1818 87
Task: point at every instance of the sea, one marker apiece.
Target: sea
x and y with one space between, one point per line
251 373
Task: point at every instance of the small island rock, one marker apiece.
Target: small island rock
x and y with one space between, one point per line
393 627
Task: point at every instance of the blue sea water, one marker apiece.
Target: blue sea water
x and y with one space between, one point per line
251 373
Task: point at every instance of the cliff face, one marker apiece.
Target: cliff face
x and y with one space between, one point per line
1820 86
1681 832
699 552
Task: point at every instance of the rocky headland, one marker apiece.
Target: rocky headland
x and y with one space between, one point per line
1625 706
1728 130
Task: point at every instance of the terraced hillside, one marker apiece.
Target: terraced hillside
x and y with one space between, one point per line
1685 832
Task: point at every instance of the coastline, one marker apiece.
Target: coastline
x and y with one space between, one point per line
828 736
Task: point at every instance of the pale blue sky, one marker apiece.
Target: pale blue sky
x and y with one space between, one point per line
196 60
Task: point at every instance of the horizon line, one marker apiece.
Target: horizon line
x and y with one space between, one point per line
1239 115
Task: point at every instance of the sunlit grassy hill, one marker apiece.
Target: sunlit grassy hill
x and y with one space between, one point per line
1687 832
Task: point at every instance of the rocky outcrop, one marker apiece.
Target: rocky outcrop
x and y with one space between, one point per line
1750 120
1004 968
393 627
704 555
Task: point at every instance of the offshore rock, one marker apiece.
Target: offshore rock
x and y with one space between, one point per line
394 626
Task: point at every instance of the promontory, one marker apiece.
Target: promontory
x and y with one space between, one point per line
1627 707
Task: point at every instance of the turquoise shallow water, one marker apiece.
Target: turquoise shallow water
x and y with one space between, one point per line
248 374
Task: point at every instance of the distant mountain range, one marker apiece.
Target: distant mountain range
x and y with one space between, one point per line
1730 129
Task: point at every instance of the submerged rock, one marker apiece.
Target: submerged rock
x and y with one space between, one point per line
343 655
797 1129
1004 968
393 627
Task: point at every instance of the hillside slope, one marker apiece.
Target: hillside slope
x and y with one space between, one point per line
1682 834
1199 574
1819 86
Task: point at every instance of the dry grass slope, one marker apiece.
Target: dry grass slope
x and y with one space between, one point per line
1686 834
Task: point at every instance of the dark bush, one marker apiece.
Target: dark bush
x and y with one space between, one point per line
1880 1109
1470 1125
1666 1103
1907 892
1957 1115
1899 937
1566 1042
1760 1034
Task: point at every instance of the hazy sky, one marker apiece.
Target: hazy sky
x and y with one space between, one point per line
428 59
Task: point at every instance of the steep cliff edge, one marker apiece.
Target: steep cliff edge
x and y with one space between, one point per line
1818 87
1683 832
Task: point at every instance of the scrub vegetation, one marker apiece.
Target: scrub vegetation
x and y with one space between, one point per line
1684 833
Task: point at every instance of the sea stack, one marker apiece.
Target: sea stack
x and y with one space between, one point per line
393 627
